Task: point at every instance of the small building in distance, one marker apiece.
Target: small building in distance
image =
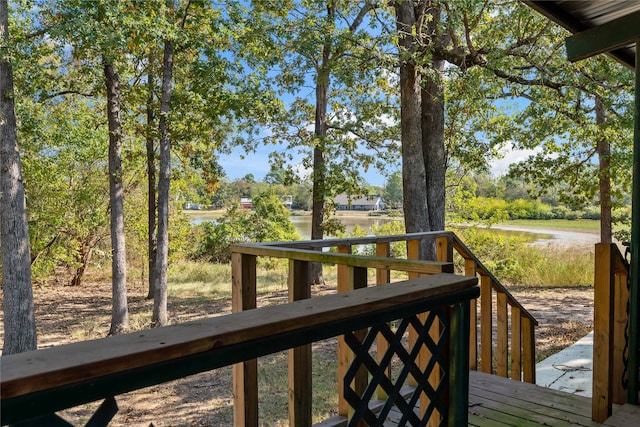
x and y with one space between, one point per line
287 201
354 203
245 203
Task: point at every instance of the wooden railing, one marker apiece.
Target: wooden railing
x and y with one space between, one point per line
36 384
514 358
611 297
518 359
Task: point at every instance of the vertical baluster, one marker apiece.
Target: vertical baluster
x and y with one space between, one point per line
444 249
300 391
383 277
344 284
245 375
528 351
516 343
503 333
470 270
486 324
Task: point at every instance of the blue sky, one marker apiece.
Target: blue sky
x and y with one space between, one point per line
257 163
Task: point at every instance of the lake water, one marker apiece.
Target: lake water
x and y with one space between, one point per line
302 224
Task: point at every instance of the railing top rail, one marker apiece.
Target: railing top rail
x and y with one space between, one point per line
417 266
466 253
352 241
90 370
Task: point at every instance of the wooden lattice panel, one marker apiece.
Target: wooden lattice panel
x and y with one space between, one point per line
434 393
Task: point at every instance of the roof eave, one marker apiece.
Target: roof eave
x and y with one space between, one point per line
555 13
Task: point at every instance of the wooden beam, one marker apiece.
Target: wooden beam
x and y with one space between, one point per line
415 266
604 38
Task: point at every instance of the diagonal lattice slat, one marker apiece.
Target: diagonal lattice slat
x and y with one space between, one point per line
436 394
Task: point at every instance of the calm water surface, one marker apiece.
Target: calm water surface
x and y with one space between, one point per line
302 224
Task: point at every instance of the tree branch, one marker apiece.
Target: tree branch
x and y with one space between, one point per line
67 92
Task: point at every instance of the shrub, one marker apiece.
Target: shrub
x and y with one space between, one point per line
269 222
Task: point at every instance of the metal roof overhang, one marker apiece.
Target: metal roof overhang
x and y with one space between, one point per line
580 15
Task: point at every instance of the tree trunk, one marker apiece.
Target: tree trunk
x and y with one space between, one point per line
433 143
416 211
151 177
120 313
319 170
432 124
319 166
604 177
86 252
19 318
159 317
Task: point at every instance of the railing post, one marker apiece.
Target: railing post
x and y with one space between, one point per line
344 284
458 367
603 333
502 348
486 321
245 375
300 387
444 249
516 343
470 270
528 351
383 277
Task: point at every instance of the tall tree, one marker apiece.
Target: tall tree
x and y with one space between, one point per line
509 53
119 310
414 175
152 212
159 317
331 47
19 318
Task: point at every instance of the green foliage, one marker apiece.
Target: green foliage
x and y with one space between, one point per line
393 190
269 222
65 182
512 260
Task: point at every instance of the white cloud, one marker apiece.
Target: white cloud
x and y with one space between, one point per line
510 156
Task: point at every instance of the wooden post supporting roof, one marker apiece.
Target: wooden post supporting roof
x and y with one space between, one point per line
623 31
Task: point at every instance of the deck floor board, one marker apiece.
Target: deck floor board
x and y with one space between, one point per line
499 402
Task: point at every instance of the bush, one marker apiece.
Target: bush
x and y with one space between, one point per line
269 222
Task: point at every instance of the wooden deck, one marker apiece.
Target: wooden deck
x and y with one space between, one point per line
496 401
